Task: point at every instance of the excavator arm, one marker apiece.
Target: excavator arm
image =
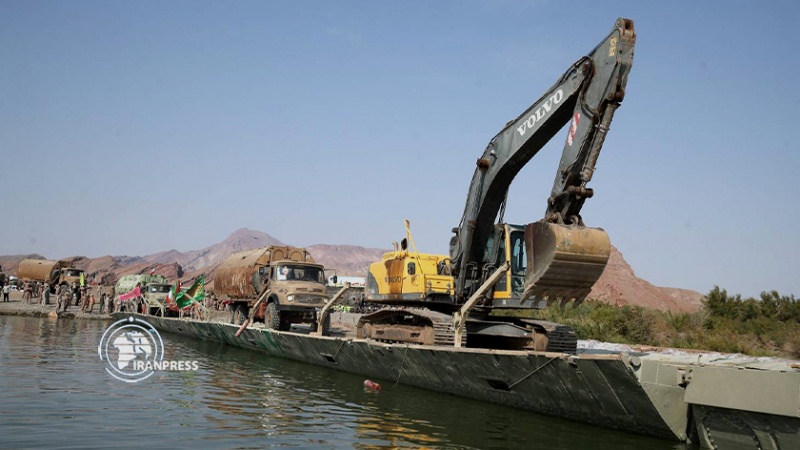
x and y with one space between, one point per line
586 95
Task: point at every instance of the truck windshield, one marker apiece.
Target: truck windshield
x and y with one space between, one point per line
73 272
159 288
298 272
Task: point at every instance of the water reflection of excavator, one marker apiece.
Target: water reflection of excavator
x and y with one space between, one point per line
494 268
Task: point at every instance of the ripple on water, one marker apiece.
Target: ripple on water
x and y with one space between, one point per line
55 393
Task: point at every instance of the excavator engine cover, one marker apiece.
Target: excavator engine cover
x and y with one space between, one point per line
564 261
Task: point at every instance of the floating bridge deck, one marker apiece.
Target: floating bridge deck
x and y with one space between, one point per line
715 400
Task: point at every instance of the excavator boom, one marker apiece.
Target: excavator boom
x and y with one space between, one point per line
586 96
460 300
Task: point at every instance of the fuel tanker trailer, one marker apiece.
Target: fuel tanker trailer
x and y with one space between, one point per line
282 284
52 273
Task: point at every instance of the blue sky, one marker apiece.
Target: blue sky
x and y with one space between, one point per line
135 127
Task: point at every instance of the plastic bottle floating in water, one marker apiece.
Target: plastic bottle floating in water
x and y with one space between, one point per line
369 384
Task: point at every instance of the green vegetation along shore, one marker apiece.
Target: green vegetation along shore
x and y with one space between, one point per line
767 326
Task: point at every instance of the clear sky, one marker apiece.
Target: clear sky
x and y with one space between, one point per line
128 128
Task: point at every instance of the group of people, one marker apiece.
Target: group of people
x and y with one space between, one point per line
66 296
83 297
86 297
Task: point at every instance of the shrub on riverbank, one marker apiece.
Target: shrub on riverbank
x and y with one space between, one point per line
768 326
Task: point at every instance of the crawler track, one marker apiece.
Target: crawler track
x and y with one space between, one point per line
408 325
560 338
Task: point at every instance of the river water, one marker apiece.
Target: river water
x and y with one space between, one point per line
56 393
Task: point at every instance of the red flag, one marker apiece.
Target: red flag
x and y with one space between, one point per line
131 295
171 296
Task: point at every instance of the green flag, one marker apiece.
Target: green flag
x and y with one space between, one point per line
198 289
196 293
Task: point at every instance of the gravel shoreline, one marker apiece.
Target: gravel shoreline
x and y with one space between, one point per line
16 307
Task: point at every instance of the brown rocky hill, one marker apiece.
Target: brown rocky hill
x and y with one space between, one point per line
618 285
211 256
9 263
347 260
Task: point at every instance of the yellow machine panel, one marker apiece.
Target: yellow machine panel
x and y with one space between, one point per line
409 276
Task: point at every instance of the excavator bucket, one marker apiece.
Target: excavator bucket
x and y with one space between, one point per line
564 261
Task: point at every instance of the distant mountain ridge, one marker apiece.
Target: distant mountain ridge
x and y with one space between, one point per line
241 239
347 260
618 284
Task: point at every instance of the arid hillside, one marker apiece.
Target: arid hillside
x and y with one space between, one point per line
618 285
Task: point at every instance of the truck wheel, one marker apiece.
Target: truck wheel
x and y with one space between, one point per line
272 317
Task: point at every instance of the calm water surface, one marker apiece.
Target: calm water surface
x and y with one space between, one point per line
55 393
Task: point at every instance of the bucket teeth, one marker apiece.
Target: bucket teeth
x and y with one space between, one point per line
562 301
564 261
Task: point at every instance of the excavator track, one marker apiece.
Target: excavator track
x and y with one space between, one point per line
560 338
514 333
564 261
408 326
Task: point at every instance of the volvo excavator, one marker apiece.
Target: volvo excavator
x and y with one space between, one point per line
466 298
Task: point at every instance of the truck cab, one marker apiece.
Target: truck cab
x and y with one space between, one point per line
153 290
279 285
297 291
70 275
155 294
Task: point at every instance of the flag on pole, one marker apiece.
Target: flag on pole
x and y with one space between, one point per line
196 293
172 294
153 271
198 289
131 295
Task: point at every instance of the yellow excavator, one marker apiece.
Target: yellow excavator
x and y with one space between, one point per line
467 298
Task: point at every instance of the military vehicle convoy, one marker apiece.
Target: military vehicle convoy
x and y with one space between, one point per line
494 267
154 289
282 283
52 273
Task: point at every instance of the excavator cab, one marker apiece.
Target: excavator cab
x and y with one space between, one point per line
547 262
506 243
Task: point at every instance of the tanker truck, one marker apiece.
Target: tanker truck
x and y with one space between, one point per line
282 283
52 273
154 290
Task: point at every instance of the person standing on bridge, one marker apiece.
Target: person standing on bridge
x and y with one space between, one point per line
76 293
45 294
6 291
64 297
27 292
